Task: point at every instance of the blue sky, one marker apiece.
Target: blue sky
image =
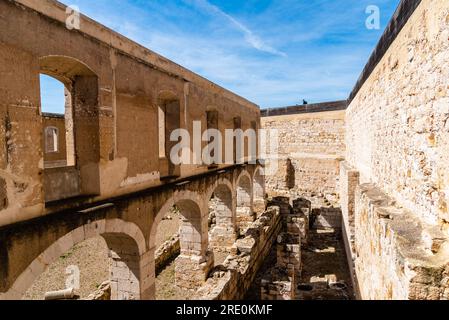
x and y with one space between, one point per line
272 52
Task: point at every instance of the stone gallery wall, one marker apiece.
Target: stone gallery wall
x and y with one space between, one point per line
311 146
395 182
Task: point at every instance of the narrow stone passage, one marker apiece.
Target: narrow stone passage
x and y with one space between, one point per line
325 273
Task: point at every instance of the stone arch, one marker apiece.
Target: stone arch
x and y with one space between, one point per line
183 197
195 261
127 253
220 181
259 190
224 233
82 121
244 210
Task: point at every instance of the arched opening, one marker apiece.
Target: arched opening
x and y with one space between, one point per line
169 119
222 222
98 265
259 191
244 211
69 103
194 261
168 248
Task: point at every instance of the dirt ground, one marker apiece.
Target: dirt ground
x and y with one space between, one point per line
90 256
324 259
166 288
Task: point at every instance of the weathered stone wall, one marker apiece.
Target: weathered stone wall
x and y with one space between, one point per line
58 158
310 148
397 256
397 124
397 134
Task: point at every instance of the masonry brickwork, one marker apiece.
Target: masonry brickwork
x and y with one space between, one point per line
311 146
393 188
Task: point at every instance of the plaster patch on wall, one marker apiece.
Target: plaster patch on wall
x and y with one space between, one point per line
112 174
141 178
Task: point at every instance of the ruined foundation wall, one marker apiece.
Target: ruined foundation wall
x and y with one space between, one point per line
311 146
232 280
394 182
397 256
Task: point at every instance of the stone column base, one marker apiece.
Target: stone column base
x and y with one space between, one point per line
289 254
277 285
245 217
259 206
222 237
191 271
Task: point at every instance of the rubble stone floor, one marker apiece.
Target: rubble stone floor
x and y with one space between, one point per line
165 281
324 261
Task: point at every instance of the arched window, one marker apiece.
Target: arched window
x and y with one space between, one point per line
51 140
69 102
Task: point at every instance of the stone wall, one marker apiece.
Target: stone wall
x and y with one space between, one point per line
397 124
394 183
311 146
169 250
57 158
397 256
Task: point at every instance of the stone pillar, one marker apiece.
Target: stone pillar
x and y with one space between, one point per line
195 261
124 268
298 221
245 213
259 204
147 276
191 271
223 234
289 254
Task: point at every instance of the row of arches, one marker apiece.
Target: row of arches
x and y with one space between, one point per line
131 260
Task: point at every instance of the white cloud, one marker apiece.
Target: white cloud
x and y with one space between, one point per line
250 37
326 52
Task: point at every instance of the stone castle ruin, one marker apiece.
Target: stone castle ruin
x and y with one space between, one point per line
356 209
